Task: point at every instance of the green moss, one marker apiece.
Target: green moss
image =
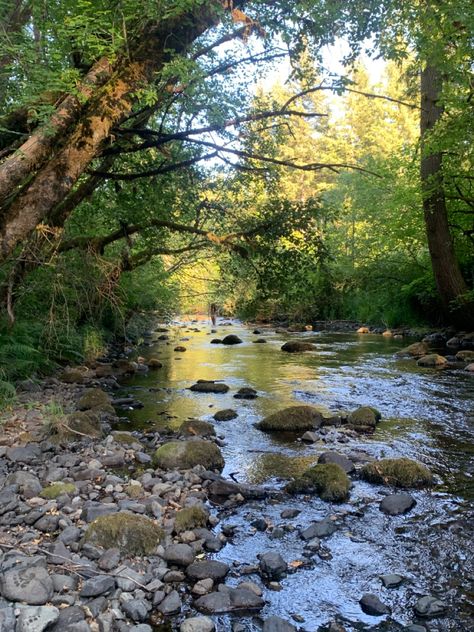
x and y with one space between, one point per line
134 490
328 480
196 427
190 518
186 454
75 426
364 416
125 438
131 533
397 472
416 350
292 419
94 398
57 489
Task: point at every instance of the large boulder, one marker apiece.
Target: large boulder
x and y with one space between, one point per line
401 472
416 350
197 428
292 419
297 346
432 360
131 533
328 480
231 339
397 504
209 386
364 416
183 455
95 399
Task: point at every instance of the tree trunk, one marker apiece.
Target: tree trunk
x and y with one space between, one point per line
449 280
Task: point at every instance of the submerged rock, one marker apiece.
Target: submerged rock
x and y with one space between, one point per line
296 346
182 455
416 350
396 504
328 480
272 565
131 533
204 386
400 472
292 419
246 393
231 339
225 415
197 428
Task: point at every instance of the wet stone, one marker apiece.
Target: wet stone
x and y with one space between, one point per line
372 605
392 580
289 513
272 565
246 393
276 624
429 606
225 415
229 600
171 604
207 569
339 459
397 504
322 529
197 624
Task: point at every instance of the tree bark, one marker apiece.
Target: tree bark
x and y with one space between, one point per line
449 280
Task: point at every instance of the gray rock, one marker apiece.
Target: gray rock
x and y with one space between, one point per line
290 513
127 579
109 559
276 624
63 583
171 604
272 565
59 553
97 586
31 584
27 482
69 619
229 600
415 628
322 529
25 453
36 618
197 624
7 620
93 510
70 535
338 459
310 437
207 568
47 523
8 500
225 415
372 605
392 580
141 627
429 606
136 609
396 504
179 554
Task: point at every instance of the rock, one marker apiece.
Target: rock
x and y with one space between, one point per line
225 415
272 565
296 346
400 472
190 518
465 356
7 619
209 387
364 416
259 341
387 334
85 422
246 393
416 350
396 504
30 584
197 428
338 459
94 399
372 605
231 339
292 419
72 376
429 607
131 533
28 484
154 363
230 600
470 367
136 609
216 341
320 529
180 349
187 454
204 569
276 624
36 619
109 559
310 437
392 580
197 624
97 586
24 454
328 480
432 360
203 586
58 489
171 604
179 554
290 513
363 330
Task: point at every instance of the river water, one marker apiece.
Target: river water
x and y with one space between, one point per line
427 414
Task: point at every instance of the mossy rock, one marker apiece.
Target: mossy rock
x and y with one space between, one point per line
77 424
131 533
72 376
183 455
296 346
292 419
466 355
94 399
134 490
57 489
328 480
432 360
208 386
197 428
190 518
416 350
154 363
401 472
364 416
226 414
125 438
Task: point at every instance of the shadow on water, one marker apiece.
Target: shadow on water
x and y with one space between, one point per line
427 415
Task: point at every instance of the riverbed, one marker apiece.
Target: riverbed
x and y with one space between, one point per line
427 415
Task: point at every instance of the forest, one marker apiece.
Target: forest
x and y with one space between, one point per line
236 315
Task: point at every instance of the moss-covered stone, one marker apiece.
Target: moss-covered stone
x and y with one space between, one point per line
296 346
292 419
226 415
125 438
328 480
134 490
208 386
57 489
72 376
401 472
416 350
190 518
131 533
197 428
95 399
184 455
364 416
432 360
154 363
466 355
76 425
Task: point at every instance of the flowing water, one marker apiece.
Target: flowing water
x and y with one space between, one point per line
427 415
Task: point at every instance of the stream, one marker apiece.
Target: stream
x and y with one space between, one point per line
427 415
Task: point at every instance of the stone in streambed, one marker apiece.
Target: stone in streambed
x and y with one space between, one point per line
95 399
364 416
276 624
430 607
131 533
187 454
231 339
392 580
292 419
190 518
136 609
400 472
296 346
197 624
372 605
216 341
225 415
327 480
229 600
204 386
205 569
416 350
197 428
272 565
28 484
97 586
36 619
432 360
246 393
397 504
171 604
27 581
338 459
179 554
320 529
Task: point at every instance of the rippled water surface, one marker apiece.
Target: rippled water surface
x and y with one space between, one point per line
427 414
